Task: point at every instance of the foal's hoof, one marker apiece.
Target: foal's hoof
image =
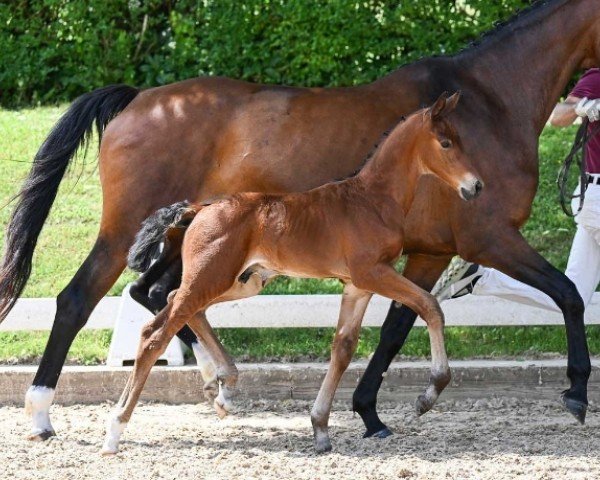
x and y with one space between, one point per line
222 412
383 433
423 405
41 436
323 445
575 407
108 452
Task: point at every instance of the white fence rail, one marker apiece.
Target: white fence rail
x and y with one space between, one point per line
304 311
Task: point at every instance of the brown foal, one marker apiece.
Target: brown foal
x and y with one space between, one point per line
351 230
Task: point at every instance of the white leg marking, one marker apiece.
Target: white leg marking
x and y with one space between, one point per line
205 362
223 404
38 400
114 430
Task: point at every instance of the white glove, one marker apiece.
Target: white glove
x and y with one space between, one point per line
588 108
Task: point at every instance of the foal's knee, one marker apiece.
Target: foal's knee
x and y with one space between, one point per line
432 312
344 344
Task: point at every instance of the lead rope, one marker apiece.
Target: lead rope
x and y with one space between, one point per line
577 154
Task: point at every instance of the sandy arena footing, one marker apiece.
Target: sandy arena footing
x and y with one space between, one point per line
504 438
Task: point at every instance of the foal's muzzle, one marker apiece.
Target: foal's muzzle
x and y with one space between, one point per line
471 188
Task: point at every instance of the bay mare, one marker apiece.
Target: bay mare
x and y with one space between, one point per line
206 137
350 229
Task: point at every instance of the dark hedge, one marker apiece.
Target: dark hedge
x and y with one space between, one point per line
54 50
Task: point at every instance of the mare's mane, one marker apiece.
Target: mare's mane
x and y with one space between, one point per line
513 23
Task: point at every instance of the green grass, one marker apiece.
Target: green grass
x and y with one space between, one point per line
73 223
303 344
89 348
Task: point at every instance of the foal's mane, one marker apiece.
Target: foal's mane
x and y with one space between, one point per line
514 22
371 154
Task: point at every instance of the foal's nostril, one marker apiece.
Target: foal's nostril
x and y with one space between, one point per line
478 187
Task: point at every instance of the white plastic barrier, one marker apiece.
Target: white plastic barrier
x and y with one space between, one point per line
286 311
130 319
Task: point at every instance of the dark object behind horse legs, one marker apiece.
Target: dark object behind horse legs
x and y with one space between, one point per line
152 288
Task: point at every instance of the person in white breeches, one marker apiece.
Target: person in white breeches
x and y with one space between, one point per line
583 267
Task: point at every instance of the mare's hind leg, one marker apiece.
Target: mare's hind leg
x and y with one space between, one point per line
354 304
424 271
384 280
74 305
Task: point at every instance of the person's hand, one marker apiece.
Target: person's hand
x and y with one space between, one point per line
588 108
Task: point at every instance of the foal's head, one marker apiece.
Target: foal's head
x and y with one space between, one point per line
439 149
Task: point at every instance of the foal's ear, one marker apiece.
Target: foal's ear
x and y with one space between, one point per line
451 103
443 105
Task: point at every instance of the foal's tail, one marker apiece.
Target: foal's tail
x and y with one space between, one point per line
72 132
154 232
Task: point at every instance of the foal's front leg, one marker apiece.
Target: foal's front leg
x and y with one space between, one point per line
354 304
155 337
385 281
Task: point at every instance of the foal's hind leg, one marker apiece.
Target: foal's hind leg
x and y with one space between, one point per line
155 337
354 304
151 290
385 281
225 372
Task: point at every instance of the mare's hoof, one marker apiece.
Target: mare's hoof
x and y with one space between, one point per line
383 433
41 436
575 407
423 405
323 446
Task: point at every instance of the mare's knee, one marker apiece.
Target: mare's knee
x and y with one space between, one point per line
571 303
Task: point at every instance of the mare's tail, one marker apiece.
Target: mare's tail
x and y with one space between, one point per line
72 132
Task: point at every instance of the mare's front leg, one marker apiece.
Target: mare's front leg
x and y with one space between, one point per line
384 280
155 337
423 270
512 255
354 304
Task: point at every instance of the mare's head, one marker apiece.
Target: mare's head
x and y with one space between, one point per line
439 148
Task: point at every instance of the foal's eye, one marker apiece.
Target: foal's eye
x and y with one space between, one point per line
446 143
